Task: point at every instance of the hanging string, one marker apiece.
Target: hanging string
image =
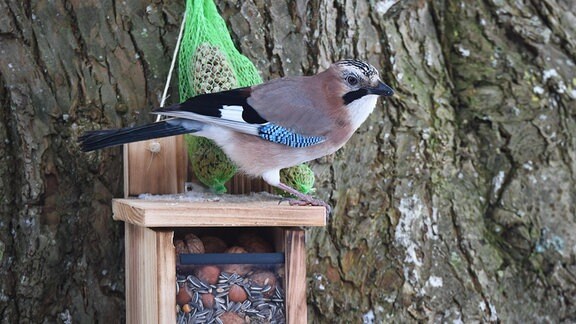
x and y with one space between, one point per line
173 64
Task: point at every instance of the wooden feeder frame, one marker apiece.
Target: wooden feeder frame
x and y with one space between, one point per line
150 225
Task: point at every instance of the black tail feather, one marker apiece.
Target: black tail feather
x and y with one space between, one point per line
99 139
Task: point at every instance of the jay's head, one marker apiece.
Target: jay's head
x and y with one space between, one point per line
360 79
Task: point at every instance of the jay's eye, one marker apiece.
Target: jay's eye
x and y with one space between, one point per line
352 80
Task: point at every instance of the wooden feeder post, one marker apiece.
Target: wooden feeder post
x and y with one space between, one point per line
155 166
150 225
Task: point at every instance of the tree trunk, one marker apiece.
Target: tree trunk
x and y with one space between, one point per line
454 202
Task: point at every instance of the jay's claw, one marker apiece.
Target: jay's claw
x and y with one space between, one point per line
313 202
304 200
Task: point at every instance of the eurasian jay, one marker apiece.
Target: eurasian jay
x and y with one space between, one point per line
271 126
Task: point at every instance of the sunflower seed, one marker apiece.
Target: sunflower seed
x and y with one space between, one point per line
224 276
219 312
204 313
262 306
234 307
266 288
246 304
195 281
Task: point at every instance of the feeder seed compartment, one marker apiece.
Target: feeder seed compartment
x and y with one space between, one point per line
158 267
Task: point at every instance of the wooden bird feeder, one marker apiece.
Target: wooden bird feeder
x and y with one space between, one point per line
159 167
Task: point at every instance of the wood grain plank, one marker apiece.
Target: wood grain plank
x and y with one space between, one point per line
295 281
181 163
152 213
141 269
166 276
162 172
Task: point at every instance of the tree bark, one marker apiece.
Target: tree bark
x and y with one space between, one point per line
453 202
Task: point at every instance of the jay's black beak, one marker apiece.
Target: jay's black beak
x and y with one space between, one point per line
381 89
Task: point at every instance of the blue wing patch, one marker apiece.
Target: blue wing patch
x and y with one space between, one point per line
281 135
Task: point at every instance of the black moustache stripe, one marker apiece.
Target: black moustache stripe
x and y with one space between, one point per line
353 95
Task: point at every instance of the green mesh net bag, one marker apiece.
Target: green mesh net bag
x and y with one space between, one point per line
208 62
207 30
299 177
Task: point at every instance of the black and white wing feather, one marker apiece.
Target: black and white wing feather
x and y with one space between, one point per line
237 110
229 109
254 111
